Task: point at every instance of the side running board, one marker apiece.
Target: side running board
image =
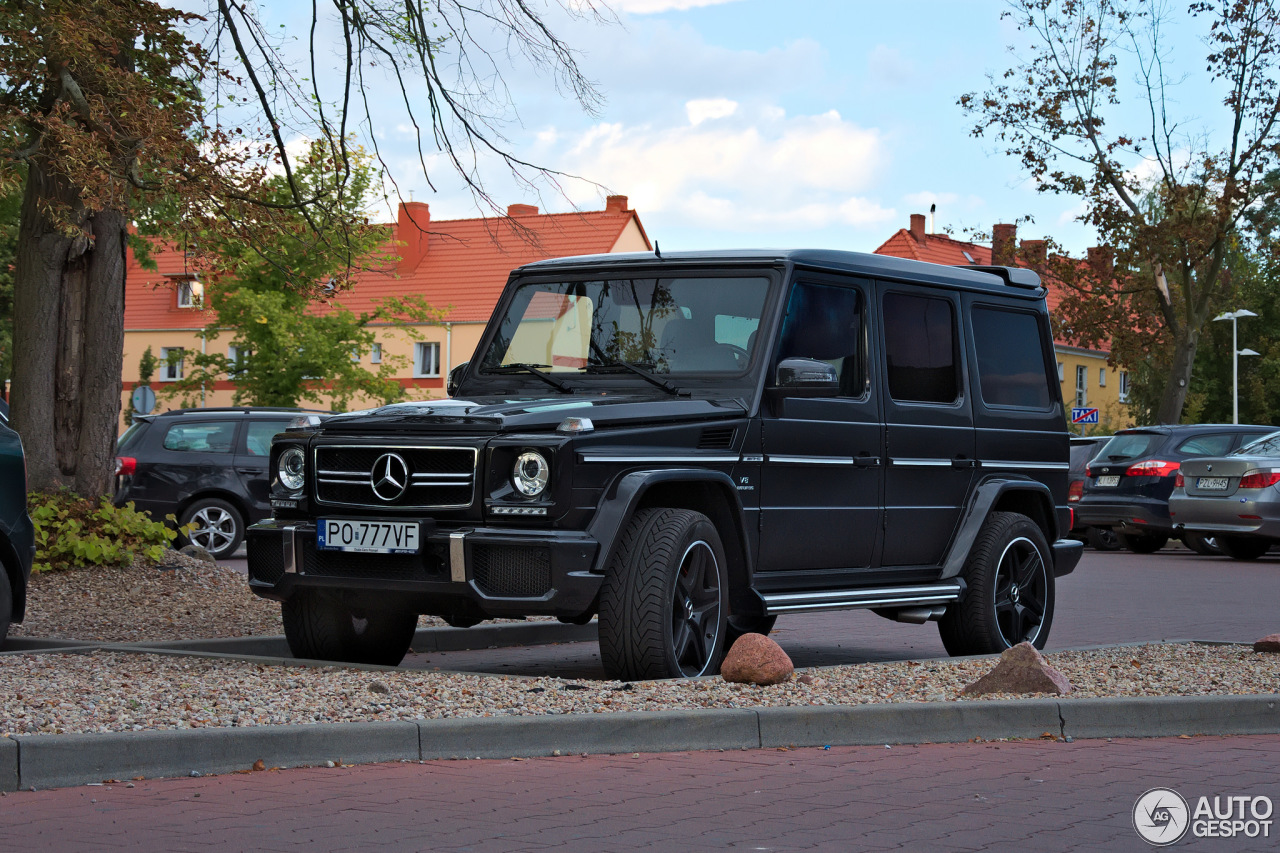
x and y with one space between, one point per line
848 599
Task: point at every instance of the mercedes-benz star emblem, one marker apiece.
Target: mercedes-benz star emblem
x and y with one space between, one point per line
389 477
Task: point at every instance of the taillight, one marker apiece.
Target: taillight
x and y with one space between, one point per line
1153 468
1076 490
1260 479
1088 470
125 465
1179 482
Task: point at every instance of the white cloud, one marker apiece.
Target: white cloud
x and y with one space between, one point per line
649 7
702 109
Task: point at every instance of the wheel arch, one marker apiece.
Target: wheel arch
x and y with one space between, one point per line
711 493
17 577
1001 494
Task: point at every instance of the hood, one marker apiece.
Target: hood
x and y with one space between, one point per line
524 414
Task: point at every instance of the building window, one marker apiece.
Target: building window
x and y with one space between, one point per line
355 355
426 359
1124 386
375 353
1082 385
170 364
190 293
1060 373
1102 377
239 358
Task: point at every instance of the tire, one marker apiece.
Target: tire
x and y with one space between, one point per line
994 613
6 604
1103 539
219 526
1205 546
1143 543
664 601
320 627
1243 547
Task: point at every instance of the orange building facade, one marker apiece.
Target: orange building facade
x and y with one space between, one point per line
458 265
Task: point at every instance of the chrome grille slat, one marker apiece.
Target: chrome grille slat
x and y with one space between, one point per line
440 476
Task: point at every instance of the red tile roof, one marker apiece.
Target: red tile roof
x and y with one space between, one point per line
461 264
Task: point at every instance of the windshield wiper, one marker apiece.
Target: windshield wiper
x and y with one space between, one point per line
614 366
533 369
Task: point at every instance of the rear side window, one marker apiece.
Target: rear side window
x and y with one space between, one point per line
131 435
1207 445
920 348
1011 364
1130 446
1269 446
201 437
258 435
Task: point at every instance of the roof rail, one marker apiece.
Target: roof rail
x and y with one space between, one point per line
248 410
1014 276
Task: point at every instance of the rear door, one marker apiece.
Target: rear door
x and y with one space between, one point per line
253 451
194 455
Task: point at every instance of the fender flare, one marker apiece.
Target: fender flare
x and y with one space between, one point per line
984 498
620 502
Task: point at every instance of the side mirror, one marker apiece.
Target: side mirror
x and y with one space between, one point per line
455 378
807 374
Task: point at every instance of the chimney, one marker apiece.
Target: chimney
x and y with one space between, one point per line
522 210
1035 252
1004 240
1101 261
616 204
411 234
917 227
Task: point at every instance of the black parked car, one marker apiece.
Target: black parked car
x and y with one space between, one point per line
204 466
17 536
1128 484
688 446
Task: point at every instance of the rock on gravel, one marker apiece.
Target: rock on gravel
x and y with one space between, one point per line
1269 643
755 659
1021 669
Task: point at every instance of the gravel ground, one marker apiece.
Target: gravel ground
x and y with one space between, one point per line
98 692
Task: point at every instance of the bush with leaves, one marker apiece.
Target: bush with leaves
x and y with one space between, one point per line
75 531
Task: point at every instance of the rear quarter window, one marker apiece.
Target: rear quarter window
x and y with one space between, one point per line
1218 444
1268 446
1130 446
1011 365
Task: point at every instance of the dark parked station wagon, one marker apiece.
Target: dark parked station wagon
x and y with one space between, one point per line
687 446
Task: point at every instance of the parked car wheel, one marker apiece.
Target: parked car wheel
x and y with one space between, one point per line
1205 546
319 627
219 527
1143 543
1103 539
1010 596
1243 547
664 602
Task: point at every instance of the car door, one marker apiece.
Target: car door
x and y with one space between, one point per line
253 452
929 437
822 472
196 455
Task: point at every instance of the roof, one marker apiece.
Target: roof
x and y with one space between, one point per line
458 264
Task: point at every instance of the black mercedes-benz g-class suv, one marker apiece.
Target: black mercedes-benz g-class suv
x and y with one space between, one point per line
688 446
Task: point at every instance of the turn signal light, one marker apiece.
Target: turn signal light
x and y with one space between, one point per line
1260 479
1153 468
125 465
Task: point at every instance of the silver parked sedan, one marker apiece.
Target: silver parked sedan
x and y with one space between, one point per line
1235 499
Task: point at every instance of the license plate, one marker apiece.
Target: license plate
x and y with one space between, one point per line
368 537
1211 483
1109 480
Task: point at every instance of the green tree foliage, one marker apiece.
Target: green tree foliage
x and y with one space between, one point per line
1089 108
282 310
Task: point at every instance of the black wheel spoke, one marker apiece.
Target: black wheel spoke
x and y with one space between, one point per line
1031 570
682 636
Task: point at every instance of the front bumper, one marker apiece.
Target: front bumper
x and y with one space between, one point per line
1066 554
1130 515
487 572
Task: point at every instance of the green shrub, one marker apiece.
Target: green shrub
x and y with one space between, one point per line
74 531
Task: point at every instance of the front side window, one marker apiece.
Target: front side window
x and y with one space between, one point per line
920 348
426 359
826 323
201 437
663 325
1011 364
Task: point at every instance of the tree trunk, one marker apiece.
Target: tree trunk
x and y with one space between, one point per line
1179 381
68 337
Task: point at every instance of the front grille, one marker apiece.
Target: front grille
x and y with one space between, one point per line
388 567
266 558
437 477
511 570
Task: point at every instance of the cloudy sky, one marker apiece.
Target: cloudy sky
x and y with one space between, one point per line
750 123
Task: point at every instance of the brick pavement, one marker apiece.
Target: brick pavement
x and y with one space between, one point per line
1040 795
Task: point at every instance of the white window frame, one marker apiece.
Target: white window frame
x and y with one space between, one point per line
238 356
375 353
171 372
1082 385
1124 386
190 293
1061 374
1102 377
426 366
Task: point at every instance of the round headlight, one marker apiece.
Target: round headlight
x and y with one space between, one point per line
531 474
292 468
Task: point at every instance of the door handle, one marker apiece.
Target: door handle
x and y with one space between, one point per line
961 462
866 461
251 470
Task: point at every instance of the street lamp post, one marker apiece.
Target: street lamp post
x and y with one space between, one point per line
1236 352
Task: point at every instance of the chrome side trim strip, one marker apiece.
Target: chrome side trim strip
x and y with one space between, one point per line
921 463
290 551
598 457
1038 466
458 556
844 599
811 460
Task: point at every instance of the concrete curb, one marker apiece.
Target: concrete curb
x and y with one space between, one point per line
58 760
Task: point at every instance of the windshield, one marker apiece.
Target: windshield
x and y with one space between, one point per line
1266 446
663 325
